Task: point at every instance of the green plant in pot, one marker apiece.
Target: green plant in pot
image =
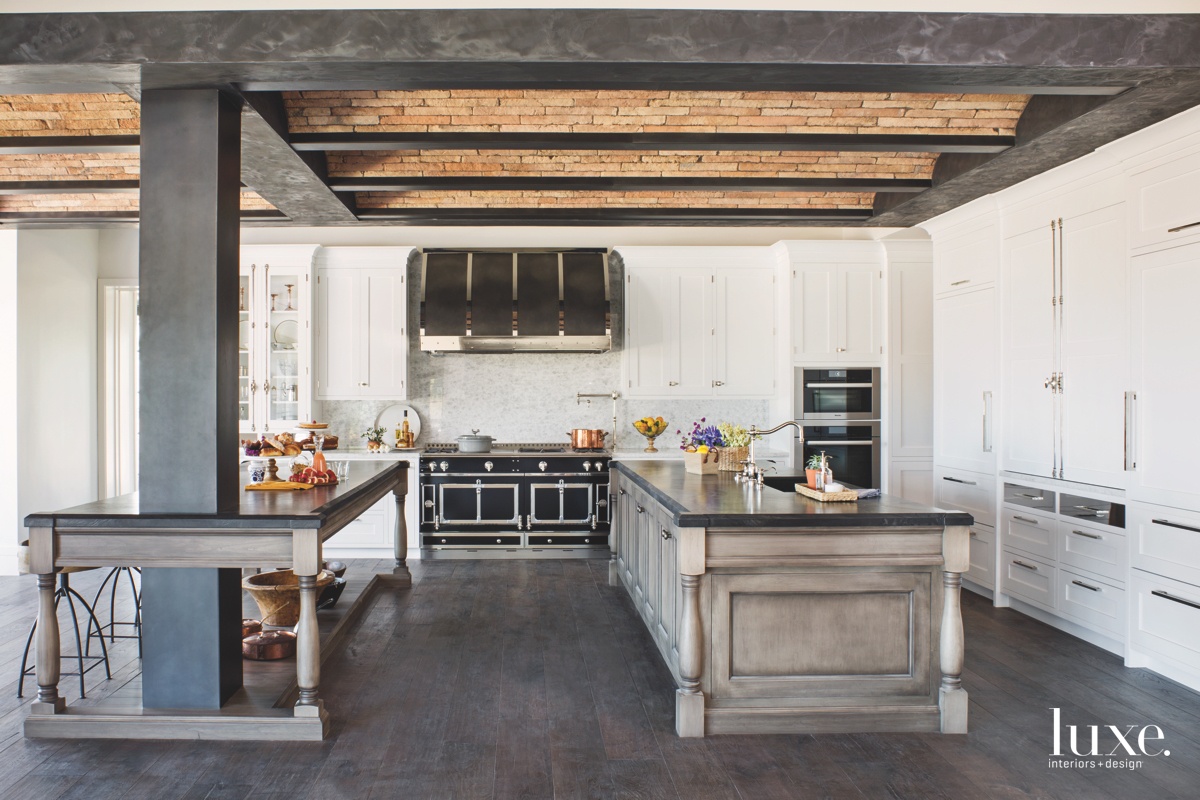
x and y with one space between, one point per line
374 437
811 468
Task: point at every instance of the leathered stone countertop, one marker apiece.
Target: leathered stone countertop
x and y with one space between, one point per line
718 501
256 509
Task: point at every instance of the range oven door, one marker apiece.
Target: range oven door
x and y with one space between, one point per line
853 451
564 502
471 502
837 394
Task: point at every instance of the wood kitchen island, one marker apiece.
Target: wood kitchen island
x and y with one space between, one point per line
269 529
779 614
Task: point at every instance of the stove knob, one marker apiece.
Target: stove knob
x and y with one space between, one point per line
488 465
444 466
599 465
542 466
432 466
549 541
499 541
587 466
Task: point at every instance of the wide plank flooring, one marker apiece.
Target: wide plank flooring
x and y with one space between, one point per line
535 679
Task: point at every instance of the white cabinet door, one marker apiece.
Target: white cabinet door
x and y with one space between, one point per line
910 358
966 259
912 480
745 338
1095 347
1029 416
339 332
1165 205
860 317
1164 287
814 314
691 333
651 308
385 347
964 380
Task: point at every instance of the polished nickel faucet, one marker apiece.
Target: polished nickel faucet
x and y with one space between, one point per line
751 471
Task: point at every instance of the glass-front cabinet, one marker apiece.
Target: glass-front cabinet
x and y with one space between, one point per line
274 338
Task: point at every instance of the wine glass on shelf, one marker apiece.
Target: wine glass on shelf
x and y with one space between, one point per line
273 296
289 297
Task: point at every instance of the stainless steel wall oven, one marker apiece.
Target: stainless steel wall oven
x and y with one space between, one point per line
838 394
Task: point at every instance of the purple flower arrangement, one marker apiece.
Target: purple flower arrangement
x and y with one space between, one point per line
701 435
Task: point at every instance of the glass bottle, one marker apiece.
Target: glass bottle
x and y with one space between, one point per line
318 462
408 437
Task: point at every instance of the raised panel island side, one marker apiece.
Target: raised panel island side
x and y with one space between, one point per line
780 614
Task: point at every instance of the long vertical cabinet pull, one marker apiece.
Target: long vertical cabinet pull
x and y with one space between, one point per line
250 354
987 422
1058 336
1052 383
1130 427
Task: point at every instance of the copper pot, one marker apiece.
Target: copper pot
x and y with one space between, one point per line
587 438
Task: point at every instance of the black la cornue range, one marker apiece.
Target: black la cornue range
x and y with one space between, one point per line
518 501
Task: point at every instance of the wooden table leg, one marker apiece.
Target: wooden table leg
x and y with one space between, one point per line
308 649
689 699
48 651
400 574
952 698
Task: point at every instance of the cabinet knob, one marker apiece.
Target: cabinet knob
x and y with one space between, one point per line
666 534
718 383
672 383
488 465
364 384
841 350
640 509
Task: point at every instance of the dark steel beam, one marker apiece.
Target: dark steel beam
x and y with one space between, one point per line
67 187
613 216
37 145
1051 136
101 218
292 182
694 142
631 184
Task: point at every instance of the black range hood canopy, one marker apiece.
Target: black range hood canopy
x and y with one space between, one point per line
504 301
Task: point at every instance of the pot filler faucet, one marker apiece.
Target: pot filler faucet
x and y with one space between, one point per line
752 472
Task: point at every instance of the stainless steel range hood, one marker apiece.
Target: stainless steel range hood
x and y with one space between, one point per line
488 301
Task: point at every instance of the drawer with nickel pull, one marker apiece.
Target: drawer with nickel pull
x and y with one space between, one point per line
971 492
1165 541
1092 603
1030 497
1028 579
1165 618
1029 531
1103 551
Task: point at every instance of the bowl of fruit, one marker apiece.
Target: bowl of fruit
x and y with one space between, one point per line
651 428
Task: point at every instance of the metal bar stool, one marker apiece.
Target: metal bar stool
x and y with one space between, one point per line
64 591
114 576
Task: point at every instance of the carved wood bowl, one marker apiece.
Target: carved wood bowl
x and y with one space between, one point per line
278 595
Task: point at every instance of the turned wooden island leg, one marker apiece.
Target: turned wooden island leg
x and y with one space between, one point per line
401 543
47 647
306 563
952 698
689 699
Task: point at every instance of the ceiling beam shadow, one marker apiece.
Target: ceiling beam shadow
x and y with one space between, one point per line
533 183
68 187
39 145
613 216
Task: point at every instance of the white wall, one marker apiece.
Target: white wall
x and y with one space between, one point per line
118 253
56 370
9 467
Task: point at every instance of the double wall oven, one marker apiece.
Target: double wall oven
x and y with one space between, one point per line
839 411
508 503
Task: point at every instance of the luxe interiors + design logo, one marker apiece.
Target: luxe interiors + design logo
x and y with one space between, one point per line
1104 746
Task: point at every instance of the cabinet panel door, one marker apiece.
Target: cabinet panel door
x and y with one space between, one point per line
1166 329
745 338
966 259
1165 202
814 318
385 349
338 333
1029 430
690 332
964 370
860 316
1095 347
651 307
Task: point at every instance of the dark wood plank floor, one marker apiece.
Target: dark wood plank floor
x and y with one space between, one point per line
535 679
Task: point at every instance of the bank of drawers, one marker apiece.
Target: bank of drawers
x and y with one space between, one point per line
1164 584
974 493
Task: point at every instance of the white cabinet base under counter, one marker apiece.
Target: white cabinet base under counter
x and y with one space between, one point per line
780 614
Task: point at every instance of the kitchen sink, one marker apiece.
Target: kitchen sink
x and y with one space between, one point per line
784 483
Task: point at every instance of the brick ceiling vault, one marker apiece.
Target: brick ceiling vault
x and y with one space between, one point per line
522 115
51 182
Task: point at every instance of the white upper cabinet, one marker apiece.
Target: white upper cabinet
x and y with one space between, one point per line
745 336
695 330
1164 203
837 314
1164 447
275 337
362 312
967 258
965 379
910 360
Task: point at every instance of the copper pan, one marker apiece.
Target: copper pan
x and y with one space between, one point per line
587 438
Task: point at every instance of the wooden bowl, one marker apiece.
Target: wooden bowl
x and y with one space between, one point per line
278 595
269 646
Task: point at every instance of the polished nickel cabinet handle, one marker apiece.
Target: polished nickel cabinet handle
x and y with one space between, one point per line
1130 425
1026 519
1179 228
958 480
718 383
666 534
1087 586
1026 566
640 509
1087 535
1175 525
960 283
987 422
672 383
1174 599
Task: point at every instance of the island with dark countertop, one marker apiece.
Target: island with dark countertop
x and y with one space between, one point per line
780 614
267 529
